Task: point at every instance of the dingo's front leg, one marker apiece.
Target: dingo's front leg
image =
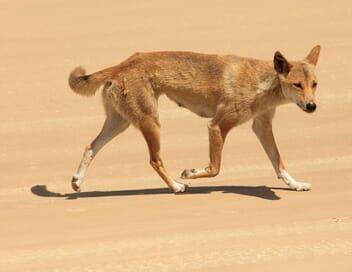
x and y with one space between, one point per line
262 127
217 135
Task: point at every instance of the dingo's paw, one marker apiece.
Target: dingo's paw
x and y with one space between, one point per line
179 187
301 186
292 183
188 173
76 184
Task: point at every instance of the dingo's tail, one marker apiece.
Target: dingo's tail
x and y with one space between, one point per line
86 85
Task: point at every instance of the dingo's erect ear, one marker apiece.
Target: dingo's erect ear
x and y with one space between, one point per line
313 55
281 64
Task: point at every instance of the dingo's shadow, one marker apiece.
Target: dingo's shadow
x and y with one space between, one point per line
256 191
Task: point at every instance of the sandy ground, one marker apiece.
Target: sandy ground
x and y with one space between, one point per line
125 219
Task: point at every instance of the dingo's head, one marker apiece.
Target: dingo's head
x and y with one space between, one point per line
298 80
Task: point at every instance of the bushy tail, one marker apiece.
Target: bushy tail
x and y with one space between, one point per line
83 84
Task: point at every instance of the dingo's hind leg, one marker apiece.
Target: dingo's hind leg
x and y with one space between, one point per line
114 125
151 132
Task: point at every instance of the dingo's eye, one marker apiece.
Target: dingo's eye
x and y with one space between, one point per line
314 84
298 85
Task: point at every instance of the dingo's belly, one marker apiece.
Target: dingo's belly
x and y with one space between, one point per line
198 105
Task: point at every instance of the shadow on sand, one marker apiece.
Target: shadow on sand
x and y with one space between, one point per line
255 191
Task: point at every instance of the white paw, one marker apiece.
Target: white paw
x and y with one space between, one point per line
292 183
76 183
178 187
301 186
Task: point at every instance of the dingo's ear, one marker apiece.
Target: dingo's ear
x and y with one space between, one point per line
281 64
313 55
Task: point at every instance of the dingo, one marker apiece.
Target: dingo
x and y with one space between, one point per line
226 88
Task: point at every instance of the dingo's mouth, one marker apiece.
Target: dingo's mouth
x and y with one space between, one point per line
301 106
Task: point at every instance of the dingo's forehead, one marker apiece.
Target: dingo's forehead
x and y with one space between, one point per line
301 71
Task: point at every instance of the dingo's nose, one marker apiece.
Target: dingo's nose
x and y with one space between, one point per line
311 107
